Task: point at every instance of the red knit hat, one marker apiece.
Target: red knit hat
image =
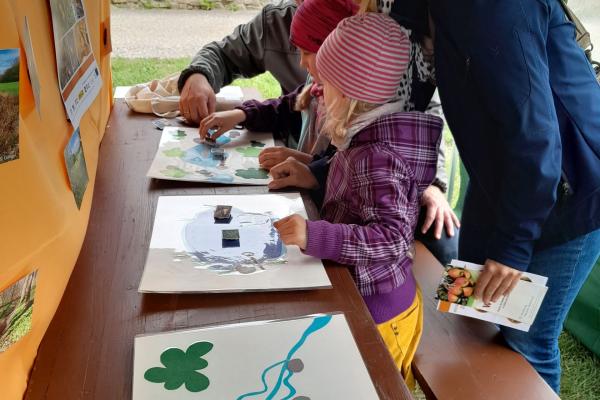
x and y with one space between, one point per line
315 19
365 57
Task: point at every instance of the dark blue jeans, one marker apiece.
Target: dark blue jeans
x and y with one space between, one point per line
567 266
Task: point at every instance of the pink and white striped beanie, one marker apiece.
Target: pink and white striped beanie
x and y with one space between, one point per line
365 57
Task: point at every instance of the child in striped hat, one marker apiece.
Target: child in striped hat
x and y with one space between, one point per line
385 159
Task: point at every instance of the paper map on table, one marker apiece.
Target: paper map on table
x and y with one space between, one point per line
183 156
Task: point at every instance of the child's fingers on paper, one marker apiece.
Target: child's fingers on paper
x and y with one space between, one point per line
280 170
268 164
205 125
281 183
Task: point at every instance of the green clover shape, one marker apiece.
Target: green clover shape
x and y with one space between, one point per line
181 368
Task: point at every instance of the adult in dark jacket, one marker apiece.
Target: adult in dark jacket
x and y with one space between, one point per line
524 107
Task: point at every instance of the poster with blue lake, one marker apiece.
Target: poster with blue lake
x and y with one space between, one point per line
308 358
183 156
193 251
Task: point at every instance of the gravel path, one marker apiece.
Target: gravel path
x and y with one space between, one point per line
181 33
170 33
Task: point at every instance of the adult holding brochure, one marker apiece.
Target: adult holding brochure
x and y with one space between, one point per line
530 142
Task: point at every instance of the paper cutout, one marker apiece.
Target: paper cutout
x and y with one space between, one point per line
9 104
181 368
182 155
16 309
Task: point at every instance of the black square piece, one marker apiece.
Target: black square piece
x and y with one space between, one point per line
231 238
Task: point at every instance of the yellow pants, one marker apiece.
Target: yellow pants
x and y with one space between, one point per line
402 334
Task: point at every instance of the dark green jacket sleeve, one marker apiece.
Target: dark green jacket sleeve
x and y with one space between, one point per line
253 48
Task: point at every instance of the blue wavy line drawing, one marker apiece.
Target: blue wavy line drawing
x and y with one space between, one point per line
286 383
316 324
263 379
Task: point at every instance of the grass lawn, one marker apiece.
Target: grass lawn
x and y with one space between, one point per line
127 72
581 369
10 88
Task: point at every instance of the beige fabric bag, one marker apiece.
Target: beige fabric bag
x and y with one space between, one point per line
159 97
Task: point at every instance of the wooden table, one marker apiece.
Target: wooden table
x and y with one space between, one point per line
87 351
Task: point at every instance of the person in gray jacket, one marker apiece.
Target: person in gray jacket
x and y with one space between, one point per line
263 45
258 46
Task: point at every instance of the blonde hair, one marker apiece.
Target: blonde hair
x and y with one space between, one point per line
366 6
303 99
340 114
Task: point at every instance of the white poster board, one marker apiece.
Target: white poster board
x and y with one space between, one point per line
188 254
309 358
183 156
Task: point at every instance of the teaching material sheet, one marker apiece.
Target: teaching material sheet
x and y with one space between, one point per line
78 74
76 167
517 310
192 251
183 156
312 357
16 309
9 104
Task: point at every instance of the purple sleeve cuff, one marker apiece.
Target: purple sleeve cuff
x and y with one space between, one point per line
324 240
250 115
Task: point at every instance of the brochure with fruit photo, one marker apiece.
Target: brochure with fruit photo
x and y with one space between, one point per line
517 310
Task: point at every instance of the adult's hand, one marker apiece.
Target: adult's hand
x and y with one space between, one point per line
271 156
439 213
496 280
292 172
197 99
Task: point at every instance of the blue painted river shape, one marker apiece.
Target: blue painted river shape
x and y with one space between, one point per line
317 323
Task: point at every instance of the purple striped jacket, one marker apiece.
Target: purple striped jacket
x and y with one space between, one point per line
371 204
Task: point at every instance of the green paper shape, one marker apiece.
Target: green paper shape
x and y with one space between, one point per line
176 152
180 368
249 151
252 173
179 135
174 172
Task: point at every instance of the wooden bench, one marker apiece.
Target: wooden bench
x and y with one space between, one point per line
87 352
463 358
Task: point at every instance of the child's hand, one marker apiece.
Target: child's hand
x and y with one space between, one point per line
292 230
270 157
292 172
222 121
